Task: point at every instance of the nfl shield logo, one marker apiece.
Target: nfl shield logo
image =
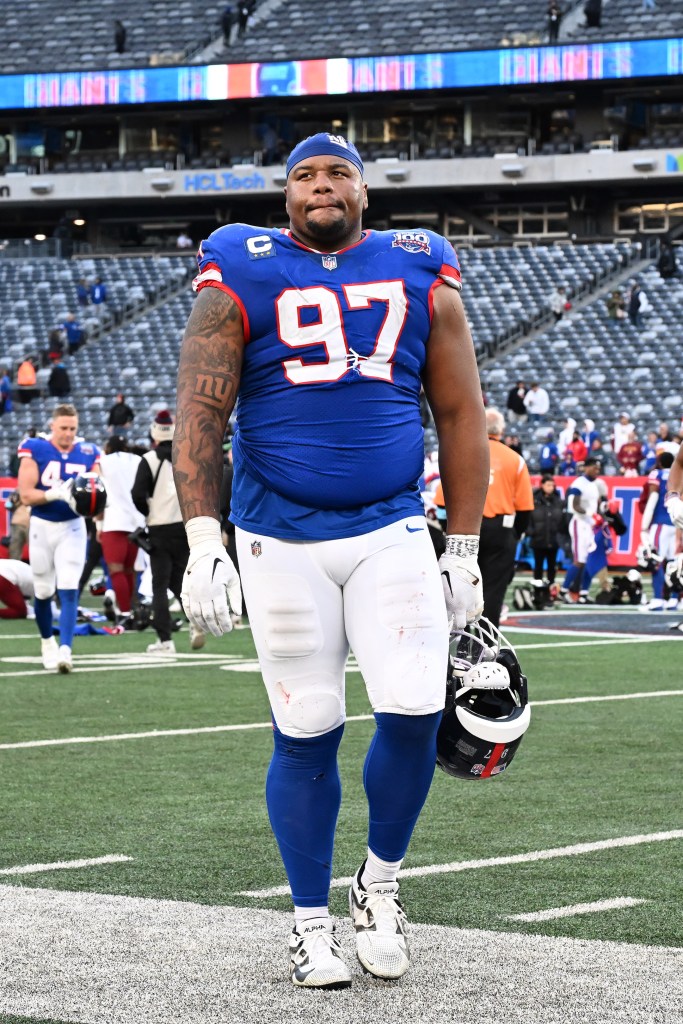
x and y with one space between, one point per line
330 262
256 548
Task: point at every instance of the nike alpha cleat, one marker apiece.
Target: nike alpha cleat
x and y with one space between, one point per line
381 928
315 956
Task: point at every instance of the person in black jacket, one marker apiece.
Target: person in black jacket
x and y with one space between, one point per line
545 525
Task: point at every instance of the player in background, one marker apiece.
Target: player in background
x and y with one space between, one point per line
674 491
325 332
657 531
583 499
57 534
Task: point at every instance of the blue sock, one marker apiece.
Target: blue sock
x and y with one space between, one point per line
43 609
398 772
303 794
570 578
68 601
658 582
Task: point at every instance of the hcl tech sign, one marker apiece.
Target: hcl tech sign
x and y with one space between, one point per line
223 181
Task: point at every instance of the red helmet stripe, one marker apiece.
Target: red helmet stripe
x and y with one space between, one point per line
93 497
493 760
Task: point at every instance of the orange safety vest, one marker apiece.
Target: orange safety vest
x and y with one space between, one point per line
26 375
509 484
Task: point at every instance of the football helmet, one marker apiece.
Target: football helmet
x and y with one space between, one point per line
88 494
487 707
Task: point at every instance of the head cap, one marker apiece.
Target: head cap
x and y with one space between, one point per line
162 427
324 144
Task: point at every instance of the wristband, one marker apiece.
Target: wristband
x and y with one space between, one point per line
202 529
462 545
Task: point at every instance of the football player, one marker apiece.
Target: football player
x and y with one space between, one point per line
583 499
325 332
674 490
657 532
57 534
16 588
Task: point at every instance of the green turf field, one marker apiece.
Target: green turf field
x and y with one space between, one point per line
184 811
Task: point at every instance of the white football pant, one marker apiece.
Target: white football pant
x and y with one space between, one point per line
379 593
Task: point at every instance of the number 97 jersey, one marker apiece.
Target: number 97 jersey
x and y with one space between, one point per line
328 415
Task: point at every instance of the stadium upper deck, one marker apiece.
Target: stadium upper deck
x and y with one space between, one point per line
48 35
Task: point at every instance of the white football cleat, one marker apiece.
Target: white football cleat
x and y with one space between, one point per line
49 652
381 928
315 956
672 604
197 637
656 605
161 647
64 660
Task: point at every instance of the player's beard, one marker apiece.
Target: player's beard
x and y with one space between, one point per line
330 231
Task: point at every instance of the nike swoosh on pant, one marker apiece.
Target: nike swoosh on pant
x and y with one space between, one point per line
414 529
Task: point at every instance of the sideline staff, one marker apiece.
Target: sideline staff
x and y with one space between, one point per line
509 503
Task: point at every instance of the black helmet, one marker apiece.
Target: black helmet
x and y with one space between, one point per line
487 707
88 494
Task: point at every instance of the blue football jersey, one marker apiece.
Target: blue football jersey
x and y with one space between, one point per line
329 439
658 480
55 465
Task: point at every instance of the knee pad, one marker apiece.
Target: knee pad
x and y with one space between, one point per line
291 623
43 587
306 706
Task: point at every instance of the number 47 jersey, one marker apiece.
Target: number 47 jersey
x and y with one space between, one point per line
328 416
54 466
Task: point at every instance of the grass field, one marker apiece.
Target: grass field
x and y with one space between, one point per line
157 767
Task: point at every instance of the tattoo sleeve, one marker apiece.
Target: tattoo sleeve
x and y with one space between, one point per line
208 381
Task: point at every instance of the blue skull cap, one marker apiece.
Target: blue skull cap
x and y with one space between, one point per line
324 144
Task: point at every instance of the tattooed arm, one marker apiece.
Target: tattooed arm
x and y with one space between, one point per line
208 381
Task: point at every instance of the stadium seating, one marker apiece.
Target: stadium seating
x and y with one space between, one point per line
595 367
139 357
81 35
506 291
591 365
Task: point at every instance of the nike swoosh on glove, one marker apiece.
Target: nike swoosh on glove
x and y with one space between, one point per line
211 586
462 588
674 507
62 492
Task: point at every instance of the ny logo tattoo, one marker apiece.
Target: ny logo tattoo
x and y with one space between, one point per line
211 390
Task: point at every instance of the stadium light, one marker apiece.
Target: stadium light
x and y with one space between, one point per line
42 188
396 173
512 170
644 164
162 184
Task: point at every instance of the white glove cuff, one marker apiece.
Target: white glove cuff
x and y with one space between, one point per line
54 494
462 545
202 530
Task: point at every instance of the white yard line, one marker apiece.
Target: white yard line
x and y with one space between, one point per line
578 908
490 862
158 733
64 865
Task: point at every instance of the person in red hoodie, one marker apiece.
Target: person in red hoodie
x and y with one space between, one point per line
577 448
